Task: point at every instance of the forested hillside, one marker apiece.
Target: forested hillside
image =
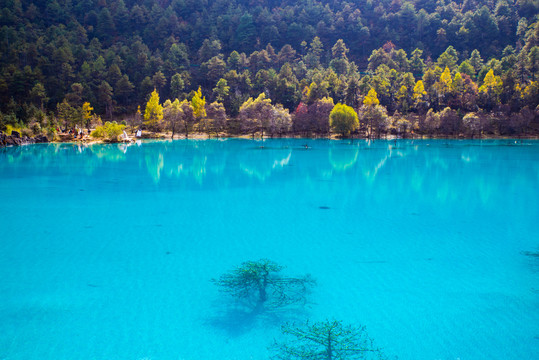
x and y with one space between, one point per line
460 56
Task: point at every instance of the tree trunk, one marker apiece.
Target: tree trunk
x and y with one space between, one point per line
262 294
329 348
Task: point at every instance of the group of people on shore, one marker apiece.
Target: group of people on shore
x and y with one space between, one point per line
76 132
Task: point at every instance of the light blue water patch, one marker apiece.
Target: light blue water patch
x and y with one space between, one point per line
107 251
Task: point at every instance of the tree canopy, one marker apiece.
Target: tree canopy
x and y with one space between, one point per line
343 119
415 55
153 113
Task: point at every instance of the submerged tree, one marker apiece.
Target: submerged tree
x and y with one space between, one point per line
326 340
260 284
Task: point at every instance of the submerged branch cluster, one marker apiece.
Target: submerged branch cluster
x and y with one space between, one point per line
260 284
326 340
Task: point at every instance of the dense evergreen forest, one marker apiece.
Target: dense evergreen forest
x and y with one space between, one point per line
273 65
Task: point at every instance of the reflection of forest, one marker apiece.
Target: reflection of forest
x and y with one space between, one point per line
442 170
261 164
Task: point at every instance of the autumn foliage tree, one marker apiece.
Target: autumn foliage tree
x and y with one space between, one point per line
188 118
313 118
255 114
198 102
153 114
216 119
443 86
489 92
172 115
87 114
419 96
373 114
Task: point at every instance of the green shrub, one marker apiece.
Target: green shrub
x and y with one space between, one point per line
343 119
108 132
50 132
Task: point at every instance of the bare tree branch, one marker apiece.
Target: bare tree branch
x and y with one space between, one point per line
328 340
261 284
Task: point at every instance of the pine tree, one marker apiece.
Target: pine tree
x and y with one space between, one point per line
104 94
176 85
416 62
476 61
124 88
39 95
222 90
533 61
159 80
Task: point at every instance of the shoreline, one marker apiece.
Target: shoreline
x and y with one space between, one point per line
10 140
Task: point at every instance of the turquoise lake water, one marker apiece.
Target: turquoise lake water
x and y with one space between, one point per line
107 251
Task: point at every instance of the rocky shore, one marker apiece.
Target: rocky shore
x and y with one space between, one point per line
15 139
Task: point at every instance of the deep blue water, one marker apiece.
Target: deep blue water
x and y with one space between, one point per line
107 251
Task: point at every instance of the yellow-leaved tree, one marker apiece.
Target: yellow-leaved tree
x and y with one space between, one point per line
87 114
419 95
343 119
172 114
199 104
402 98
489 92
445 78
373 114
459 89
443 86
154 112
371 99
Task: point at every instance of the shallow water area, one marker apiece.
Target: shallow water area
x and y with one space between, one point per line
108 251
